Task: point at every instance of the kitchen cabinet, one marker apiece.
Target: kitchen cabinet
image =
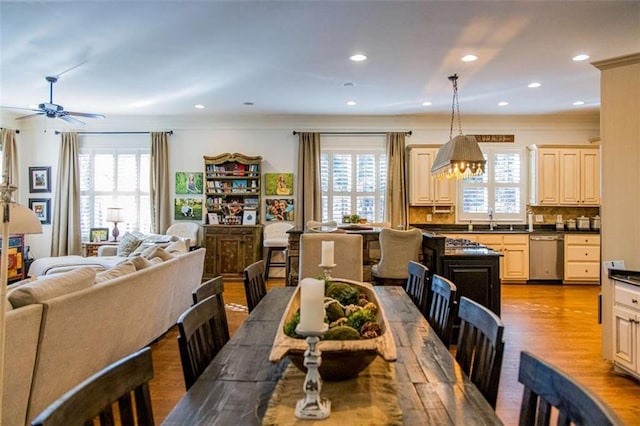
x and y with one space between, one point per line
564 175
514 263
230 249
424 189
581 258
626 321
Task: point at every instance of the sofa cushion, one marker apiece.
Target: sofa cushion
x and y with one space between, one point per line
128 244
123 268
157 252
177 247
52 286
140 262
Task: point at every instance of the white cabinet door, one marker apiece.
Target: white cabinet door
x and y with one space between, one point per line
590 176
424 189
548 176
569 176
625 330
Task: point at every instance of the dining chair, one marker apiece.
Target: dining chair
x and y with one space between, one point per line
202 332
95 397
442 302
547 390
255 286
480 347
417 285
214 286
347 255
275 239
397 249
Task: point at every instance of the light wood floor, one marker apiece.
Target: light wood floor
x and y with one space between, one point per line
558 323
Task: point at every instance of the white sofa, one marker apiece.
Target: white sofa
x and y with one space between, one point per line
55 343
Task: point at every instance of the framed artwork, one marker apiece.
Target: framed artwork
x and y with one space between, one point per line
187 209
98 234
189 183
249 217
213 218
39 179
42 208
278 184
279 209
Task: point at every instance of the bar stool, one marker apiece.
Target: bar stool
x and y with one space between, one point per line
276 239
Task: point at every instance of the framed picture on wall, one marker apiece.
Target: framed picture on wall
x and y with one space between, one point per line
39 179
189 182
42 208
278 184
97 235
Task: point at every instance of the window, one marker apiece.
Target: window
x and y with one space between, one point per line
500 189
353 176
115 175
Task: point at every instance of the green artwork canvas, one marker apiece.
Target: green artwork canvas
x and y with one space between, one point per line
278 184
187 209
189 182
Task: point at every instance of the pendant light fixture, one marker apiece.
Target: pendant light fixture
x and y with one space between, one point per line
461 157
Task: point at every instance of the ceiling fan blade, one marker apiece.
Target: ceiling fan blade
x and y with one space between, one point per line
85 114
30 115
25 109
69 119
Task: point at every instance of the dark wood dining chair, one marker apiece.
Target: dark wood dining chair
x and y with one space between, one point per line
202 332
480 347
546 388
214 286
417 285
96 396
442 304
255 286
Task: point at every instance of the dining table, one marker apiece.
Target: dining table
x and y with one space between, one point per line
431 388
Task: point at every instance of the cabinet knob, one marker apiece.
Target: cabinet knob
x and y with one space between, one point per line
586 254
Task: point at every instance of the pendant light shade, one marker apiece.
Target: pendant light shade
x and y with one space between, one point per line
461 157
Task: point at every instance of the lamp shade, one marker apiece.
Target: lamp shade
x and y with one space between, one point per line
22 220
114 214
459 158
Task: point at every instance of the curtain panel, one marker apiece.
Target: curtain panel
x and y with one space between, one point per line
396 198
309 198
159 192
65 237
10 157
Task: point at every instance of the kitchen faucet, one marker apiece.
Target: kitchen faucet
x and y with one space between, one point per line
490 219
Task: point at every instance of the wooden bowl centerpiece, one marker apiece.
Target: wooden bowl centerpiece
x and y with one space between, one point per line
341 359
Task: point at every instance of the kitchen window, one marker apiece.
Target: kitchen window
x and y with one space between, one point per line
353 177
501 189
115 174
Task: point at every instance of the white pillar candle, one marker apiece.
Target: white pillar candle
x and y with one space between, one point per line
311 304
327 253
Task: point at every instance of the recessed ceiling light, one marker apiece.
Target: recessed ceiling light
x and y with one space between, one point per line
469 58
534 85
358 57
581 57
199 106
349 84
247 103
352 103
427 103
578 103
503 103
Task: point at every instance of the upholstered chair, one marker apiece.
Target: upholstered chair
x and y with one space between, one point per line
188 231
397 249
347 255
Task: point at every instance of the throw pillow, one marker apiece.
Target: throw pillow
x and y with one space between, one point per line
120 270
140 262
128 244
52 286
158 252
177 247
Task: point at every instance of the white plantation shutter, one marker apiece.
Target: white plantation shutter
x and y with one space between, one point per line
114 174
353 173
501 188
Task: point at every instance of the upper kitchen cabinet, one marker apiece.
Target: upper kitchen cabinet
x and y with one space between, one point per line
424 189
564 175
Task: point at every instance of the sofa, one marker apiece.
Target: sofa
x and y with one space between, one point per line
62 328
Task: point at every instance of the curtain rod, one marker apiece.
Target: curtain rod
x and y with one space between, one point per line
17 130
408 133
169 132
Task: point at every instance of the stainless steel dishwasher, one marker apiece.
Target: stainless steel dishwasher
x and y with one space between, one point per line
546 257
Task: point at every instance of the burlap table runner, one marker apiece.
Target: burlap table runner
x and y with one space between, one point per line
369 399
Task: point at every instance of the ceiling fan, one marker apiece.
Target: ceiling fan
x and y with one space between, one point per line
52 110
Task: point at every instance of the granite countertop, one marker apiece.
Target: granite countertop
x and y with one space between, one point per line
470 251
498 229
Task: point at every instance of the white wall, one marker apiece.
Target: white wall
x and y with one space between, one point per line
271 137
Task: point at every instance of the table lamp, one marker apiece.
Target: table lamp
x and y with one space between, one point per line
16 219
114 214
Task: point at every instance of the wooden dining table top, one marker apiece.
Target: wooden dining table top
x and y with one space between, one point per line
236 387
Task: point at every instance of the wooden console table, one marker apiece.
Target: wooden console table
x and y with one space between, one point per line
91 249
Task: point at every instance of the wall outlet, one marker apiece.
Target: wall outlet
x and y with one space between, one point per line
559 218
429 218
539 218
